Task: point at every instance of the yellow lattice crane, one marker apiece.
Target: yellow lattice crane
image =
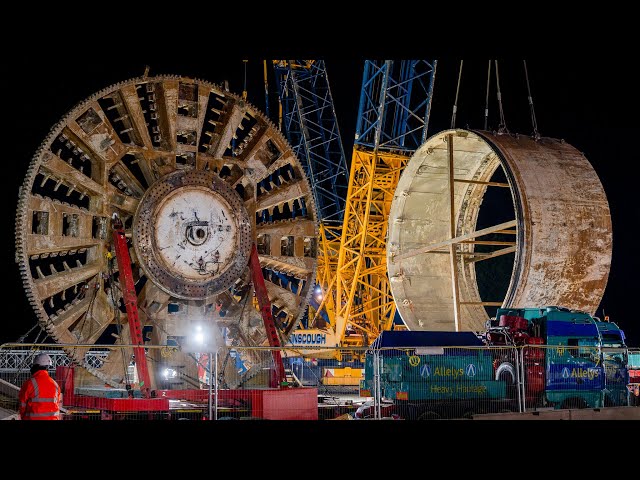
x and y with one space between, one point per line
353 303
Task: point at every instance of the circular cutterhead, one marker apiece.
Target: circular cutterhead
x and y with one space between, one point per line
143 149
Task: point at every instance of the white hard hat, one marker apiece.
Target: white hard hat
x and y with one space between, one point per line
43 360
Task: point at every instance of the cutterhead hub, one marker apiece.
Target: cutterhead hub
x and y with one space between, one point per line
192 235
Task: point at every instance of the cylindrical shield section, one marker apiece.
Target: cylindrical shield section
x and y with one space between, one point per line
560 233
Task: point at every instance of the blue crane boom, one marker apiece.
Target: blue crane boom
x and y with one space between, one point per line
310 124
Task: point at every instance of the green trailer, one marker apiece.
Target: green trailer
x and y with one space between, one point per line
427 378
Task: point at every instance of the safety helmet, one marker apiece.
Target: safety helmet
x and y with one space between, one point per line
43 360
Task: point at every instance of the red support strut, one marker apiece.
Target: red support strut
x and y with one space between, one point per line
265 309
131 303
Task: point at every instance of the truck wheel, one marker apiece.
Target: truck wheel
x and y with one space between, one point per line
468 415
429 416
506 373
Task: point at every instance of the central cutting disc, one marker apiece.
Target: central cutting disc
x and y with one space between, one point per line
192 234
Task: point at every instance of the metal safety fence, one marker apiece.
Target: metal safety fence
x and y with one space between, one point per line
421 383
560 376
316 383
633 365
460 382
100 382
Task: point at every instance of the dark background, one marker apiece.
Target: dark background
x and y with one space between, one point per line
584 97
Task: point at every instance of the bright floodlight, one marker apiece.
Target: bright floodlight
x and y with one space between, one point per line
170 373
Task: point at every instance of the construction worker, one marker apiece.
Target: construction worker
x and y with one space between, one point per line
40 397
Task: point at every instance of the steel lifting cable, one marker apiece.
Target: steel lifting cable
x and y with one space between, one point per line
88 311
534 123
151 319
266 90
234 343
22 338
244 90
37 340
486 102
455 104
33 350
502 128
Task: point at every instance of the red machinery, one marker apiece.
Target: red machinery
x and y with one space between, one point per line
267 404
265 310
131 301
131 304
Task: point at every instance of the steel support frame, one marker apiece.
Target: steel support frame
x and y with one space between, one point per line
130 299
392 123
362 284
311 126
395 102
262 297
328 254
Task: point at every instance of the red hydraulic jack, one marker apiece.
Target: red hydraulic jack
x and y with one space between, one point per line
131 304
265 310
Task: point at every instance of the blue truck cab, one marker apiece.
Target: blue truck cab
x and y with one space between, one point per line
584 358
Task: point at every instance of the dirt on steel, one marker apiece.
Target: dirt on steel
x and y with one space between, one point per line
560 235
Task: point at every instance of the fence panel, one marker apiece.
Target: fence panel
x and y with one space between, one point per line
447 382
583 376
634 376
616 376
412 383
108 388
325 384
15 369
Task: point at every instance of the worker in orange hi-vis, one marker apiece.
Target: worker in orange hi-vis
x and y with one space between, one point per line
40 397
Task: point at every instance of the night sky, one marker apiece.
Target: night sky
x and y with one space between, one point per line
589 101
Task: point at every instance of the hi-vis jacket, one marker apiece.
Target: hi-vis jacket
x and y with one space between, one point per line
40 398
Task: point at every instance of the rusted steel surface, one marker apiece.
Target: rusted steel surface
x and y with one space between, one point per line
196 174
192 234
563 229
